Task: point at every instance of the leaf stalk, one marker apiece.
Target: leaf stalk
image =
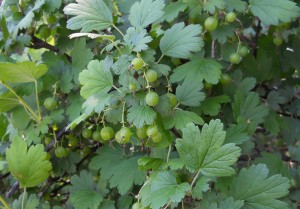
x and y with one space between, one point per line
6 206
33 115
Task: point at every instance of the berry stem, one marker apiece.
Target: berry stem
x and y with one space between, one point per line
169 152
123 112
168 204
115 27
160 58
28 109
37 100
148 86
6 206
237 35
117 89
195 178
23 199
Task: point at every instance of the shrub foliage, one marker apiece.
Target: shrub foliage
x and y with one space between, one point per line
149 104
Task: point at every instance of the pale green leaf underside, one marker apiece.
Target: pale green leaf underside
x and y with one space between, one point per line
146 12
29 167
77 120
272 12
141 115
89 15
204 151
92 36
96 102
95 79
137 38
180 41
198 70
21 72
258 190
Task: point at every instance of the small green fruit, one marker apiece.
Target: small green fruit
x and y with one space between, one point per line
97 135
211 23
152 99
230 17
137 63
141 132
137 205
277 41
157 138
86 133
72 141
47 140
107 133
243 51
132 87
60 152
123 135
173 99
151 75
207 86
50 103
152 131
225 79
234 58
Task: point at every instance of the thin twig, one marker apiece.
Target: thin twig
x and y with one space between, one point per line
213 49
257 32
175 132
37 43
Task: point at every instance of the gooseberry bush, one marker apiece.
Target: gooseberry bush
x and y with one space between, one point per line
149 104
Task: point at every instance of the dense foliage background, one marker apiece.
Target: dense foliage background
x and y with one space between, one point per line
149 104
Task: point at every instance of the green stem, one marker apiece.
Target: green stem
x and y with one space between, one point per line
22 102
169 85
117 89
169 152
115 27
160 58
168 204
123 113
148 86
23 199
37 100
237 35
6 206
115 45
195 178
138 195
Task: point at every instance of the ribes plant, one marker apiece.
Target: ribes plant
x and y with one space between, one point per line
149 104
